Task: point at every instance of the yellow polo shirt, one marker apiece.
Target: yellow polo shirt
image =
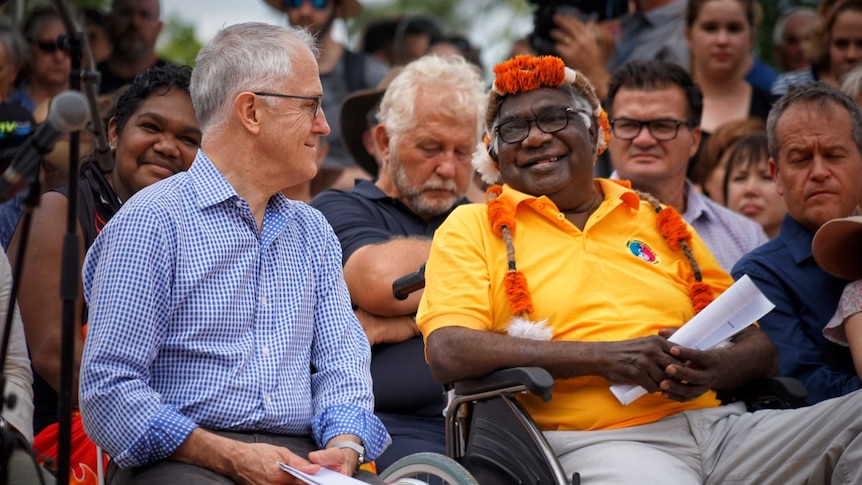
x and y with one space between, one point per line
616 280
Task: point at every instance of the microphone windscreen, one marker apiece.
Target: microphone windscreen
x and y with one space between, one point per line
69 111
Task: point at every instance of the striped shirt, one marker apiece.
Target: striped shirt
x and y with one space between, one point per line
197 318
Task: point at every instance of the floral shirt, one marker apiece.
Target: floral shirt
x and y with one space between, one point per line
849 305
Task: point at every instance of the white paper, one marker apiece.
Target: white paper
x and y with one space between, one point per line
323 477
738 307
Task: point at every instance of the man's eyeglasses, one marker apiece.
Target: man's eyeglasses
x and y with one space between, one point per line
317 4
549 121
662 130
47 46
317 99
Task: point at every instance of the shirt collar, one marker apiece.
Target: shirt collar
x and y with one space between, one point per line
613 191
369 190
695 203
210 185
797 239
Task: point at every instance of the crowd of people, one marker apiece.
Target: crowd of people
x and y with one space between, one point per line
235 312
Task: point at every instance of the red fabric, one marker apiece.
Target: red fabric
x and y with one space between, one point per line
83 458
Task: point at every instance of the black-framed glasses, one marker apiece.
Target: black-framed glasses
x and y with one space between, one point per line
665 129
549 121
317 99
317 4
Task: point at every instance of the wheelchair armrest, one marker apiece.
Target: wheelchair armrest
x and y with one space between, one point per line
535 379
768 393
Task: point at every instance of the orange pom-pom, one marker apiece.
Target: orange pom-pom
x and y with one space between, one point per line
500 215
701 296
518 293
672 227
526 73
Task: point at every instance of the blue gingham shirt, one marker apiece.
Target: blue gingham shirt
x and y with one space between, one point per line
199 319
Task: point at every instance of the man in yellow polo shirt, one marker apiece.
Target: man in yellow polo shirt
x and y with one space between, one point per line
584 278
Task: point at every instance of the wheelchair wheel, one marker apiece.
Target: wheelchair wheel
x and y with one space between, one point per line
427 468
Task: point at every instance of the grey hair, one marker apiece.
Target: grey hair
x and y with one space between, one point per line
251 56
16 46
579 103
815 94
451 75
778 30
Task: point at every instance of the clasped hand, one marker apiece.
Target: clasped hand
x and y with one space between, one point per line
658 365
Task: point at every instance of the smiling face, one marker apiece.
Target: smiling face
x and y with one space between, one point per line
558 165
720 38
819 167
652 164
158 140
291 135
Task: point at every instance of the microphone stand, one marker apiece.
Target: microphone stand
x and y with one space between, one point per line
70 272
74 43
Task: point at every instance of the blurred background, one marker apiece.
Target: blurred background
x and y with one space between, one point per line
490 25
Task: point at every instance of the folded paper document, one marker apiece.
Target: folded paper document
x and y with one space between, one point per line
738 307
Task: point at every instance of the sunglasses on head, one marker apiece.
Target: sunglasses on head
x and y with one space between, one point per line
47 46
317 4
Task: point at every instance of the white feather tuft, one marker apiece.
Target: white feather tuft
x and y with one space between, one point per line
522 328
485 165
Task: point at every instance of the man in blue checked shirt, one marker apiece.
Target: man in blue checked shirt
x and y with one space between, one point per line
221 336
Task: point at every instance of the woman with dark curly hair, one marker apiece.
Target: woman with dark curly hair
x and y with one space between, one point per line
153 134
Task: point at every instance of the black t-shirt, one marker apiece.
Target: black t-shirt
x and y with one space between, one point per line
111 82
97 203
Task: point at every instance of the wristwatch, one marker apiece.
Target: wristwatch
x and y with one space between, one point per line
358 448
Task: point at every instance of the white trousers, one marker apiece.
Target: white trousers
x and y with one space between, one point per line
819 444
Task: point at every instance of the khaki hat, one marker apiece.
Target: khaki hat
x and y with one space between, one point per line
837 247
353 120
347 9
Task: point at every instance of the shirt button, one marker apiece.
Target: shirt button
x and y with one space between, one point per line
265 350
263 301
560 216
238 203
266 397
540 206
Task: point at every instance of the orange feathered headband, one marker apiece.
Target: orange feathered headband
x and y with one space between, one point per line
526 73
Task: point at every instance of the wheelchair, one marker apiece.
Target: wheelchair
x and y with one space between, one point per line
491 439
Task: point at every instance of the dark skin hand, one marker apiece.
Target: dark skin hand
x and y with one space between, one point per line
701 371
653 362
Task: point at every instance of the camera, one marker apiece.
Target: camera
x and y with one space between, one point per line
584 10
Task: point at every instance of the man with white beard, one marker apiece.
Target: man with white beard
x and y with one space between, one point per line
430 120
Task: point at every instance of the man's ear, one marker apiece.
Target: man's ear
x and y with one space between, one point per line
695 141
773 170
381 137
248 108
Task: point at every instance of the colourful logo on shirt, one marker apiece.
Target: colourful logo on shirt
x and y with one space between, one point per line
641 250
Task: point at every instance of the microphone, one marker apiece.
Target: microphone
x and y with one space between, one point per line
68 112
